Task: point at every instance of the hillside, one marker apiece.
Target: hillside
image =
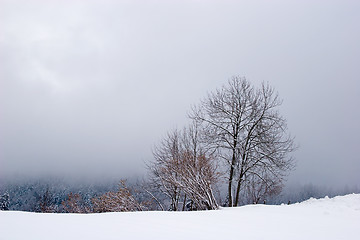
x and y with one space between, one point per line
327 218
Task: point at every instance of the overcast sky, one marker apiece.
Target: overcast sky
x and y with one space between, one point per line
90 86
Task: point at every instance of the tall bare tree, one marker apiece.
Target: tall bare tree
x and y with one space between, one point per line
243 124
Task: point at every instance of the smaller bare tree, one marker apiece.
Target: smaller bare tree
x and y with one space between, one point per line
182 167
121 201
197 177
162 173
75 204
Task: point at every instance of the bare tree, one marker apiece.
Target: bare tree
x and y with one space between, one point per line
75 204
197 177
166 158
197 169
121 201
182 168
243 124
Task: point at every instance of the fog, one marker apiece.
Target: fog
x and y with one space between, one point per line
88 87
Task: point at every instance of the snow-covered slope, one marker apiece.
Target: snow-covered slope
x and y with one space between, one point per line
335 218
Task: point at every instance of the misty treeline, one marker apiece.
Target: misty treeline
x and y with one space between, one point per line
60 196
235 150
64 195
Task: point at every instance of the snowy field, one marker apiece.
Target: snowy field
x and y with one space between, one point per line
327 218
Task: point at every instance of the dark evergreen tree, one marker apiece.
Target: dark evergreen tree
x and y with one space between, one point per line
4 201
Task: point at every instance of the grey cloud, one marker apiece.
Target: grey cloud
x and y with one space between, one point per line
92 86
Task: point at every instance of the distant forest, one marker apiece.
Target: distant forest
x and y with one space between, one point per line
52 195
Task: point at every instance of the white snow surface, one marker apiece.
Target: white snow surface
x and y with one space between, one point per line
326 218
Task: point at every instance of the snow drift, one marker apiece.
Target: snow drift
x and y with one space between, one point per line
326 218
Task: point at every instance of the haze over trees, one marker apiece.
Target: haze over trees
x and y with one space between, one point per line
236 138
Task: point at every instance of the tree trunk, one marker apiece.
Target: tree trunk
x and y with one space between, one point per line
231 179
238 189
184 203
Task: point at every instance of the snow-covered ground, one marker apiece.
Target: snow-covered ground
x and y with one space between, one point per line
327 218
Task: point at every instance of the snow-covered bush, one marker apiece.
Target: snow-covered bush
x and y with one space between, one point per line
121 201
